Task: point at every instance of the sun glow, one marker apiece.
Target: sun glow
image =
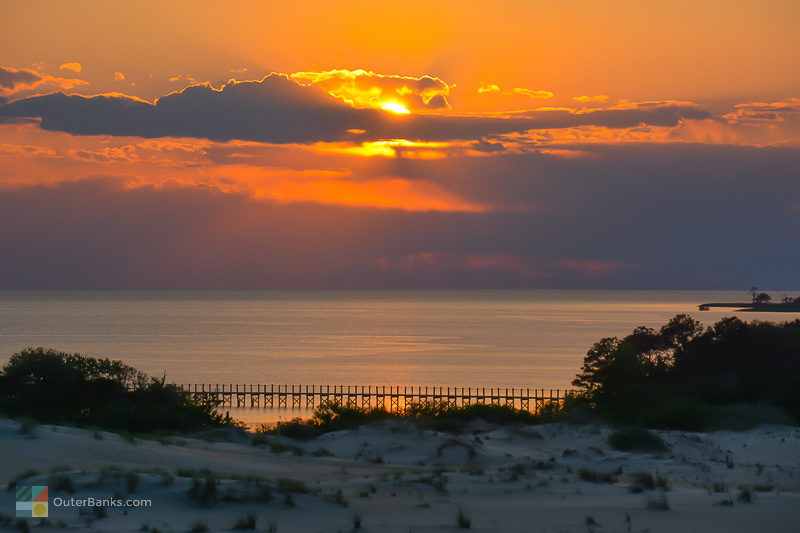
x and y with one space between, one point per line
395 107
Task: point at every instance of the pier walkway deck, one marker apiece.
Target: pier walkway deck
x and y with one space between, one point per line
391 398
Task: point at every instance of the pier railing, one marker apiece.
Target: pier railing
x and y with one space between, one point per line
391 398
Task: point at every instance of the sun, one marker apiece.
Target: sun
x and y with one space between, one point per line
394 107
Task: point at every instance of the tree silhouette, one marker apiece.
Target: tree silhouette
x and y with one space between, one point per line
762 298
682 374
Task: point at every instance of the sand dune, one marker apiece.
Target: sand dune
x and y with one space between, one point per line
394 477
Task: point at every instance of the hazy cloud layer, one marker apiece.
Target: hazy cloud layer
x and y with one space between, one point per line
278 110
637 216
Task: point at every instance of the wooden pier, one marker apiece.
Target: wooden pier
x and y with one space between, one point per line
391 398
770 307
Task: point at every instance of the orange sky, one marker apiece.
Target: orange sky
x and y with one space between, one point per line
704 51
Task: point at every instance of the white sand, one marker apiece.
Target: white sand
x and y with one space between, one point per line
400 479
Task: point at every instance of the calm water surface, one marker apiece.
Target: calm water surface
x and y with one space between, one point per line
533 339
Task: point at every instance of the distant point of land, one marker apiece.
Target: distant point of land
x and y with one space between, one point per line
761 303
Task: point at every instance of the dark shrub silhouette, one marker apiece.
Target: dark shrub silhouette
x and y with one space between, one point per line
59 387
680 375
632 438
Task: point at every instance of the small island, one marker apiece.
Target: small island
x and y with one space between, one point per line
761 302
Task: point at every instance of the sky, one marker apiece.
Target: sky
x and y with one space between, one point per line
318 145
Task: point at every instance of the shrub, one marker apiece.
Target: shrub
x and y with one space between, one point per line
298 429
334 416
685 376
636 439
61 387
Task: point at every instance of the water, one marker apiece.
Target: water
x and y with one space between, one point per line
528 339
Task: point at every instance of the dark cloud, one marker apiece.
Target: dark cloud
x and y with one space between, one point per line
273 110
14 81
11 79
487 146
278 110
788 109
633 216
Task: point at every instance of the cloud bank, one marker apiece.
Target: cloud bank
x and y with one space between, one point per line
279 110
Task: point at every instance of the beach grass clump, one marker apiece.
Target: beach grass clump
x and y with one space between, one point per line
290 486
270 437
199 527
641 481
596 476
463 520
322 452
356 519
658 502
27 426
745 495
22 476
166 479
725 502
62 483
338 498
131 482
263 493
204 492
193 472
247 521
719 486
636 439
